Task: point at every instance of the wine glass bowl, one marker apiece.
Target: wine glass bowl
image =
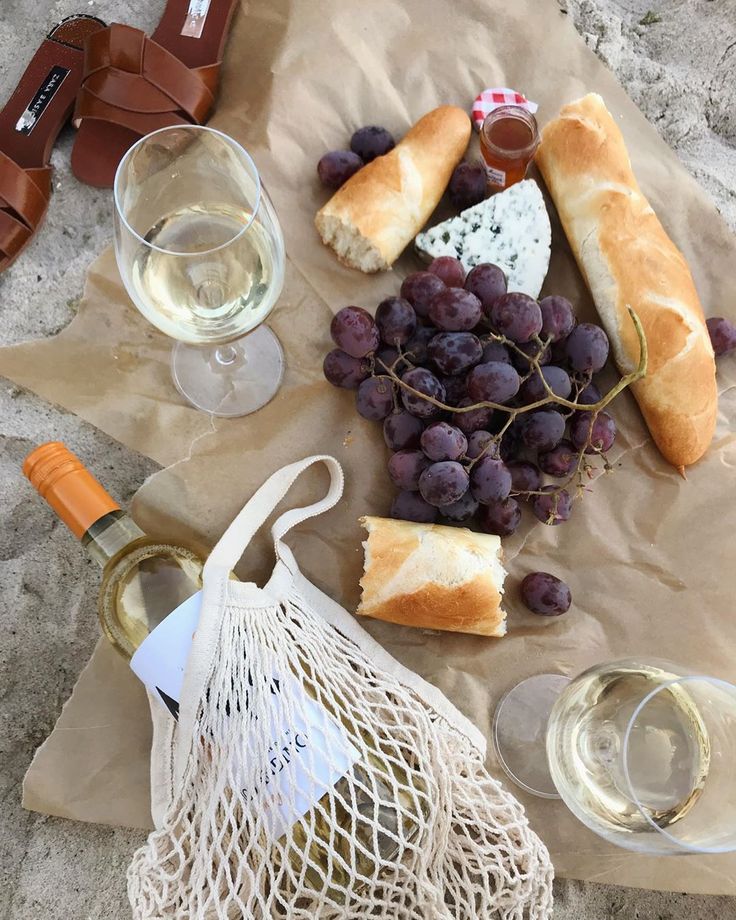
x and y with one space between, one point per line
201 254
640 751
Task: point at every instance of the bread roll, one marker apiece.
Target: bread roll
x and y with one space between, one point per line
432 576
378 211
627 259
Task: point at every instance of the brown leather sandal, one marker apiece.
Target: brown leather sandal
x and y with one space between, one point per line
30 123
134 84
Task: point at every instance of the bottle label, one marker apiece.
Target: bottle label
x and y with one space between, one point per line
496 176
309 751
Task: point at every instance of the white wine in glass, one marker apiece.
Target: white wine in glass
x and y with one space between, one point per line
640 751
201 254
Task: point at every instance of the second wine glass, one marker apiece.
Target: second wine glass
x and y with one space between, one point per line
201 254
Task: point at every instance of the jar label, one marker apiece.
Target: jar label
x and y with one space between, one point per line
495 176
309 751
196 18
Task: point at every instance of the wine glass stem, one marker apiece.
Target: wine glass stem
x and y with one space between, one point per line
226 355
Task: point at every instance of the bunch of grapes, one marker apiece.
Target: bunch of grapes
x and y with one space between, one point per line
487 397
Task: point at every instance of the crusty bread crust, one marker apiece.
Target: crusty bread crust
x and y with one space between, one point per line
371 219
627 258
434 577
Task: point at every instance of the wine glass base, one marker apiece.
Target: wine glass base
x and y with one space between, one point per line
520 732
233 379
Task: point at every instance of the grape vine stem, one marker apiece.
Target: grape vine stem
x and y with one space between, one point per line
551 397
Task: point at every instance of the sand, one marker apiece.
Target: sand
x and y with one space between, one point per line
679 65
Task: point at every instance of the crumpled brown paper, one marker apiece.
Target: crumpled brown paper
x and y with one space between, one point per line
647 555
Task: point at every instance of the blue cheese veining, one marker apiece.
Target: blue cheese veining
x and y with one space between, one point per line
510 229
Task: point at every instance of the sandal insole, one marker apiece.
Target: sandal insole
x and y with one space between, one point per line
42 102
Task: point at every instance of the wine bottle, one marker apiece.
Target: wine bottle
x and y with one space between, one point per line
143 579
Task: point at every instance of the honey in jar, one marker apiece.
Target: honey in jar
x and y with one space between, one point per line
508 140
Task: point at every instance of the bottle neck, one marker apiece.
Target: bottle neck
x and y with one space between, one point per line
110 534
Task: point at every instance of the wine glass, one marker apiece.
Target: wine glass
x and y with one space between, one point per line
642 752
201 254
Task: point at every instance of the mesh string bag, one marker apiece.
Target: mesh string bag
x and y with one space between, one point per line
310 775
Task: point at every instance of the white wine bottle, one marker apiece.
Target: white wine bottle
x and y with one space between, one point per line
143 579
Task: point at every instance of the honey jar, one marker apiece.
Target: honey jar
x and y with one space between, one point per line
509 138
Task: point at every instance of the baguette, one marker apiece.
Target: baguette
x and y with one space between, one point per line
371 219
433 577
627 259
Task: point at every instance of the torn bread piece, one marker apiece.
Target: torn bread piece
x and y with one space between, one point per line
433 577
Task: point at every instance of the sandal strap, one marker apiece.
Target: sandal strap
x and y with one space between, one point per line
131 80
24 197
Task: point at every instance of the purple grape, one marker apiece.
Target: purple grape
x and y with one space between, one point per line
455 389
449 269
402 430
560 461
722 334
543 429
589 395
441 441
396 320
516 316
558 318
493 382
405 467
593 432
501 518
443 483
461 511
525 476
417 348
478 443
521 362
371 142
410 506
455 310
425 381
354 330
375 398
488 283
587 348
495 351
337 166
388 357
490 480
468 185
546 595
511 442
419 289
553 507
342 370
474 420
455 352
557 380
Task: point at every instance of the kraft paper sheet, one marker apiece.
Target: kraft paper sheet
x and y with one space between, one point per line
647 555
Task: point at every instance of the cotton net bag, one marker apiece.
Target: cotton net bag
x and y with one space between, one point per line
310 775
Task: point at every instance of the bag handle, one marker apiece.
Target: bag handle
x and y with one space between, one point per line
238 535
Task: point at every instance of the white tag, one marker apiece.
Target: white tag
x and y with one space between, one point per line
496 176
307 755
196 17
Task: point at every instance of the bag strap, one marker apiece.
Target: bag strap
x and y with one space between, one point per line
238 535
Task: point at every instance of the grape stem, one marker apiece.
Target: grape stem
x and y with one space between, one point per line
551 397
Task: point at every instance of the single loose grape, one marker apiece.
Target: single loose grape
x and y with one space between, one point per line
371 142
468 185
336 167
545 594
722 334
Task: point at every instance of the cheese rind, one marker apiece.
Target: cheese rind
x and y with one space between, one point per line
510 229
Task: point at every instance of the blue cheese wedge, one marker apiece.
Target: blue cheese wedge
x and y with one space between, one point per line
510 229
